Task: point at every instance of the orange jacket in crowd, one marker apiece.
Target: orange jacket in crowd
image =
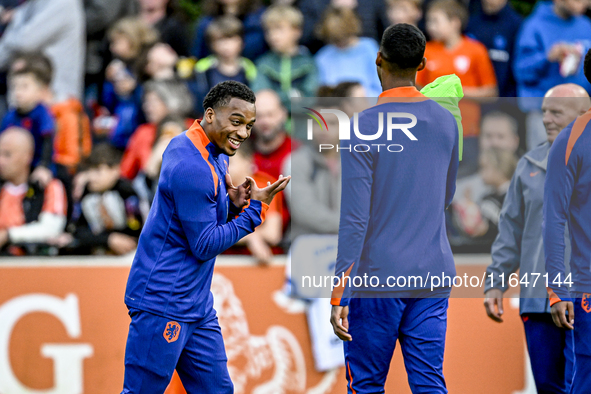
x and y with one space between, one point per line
72 141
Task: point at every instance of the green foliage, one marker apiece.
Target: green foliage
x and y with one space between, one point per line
524 7
190 9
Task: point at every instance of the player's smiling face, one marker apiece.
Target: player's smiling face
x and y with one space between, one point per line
232 124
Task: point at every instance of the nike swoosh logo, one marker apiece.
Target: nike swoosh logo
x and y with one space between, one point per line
532 174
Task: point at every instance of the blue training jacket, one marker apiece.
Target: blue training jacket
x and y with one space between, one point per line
392 210
567 199
186 229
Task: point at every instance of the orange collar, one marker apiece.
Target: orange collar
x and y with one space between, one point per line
403 94
197 135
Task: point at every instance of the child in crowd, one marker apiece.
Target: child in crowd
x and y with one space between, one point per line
28 91
108 217
129 38
72 140
224 36
450 52
158 63
347 57
146 181
479 222
404 11
287 68
161 99
268 234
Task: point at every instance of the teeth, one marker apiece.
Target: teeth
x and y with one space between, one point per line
235 142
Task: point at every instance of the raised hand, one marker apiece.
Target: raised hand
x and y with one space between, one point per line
239 195
267 193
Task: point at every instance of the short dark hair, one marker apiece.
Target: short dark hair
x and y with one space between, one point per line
226 26
103 153
221 94
36 64
587 66
403 45
452 9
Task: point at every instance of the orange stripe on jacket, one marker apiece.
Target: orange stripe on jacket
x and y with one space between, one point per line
403 94
576 132
264 208
351 379
337 292
553 297
197 135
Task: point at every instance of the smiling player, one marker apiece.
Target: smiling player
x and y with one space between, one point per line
197 214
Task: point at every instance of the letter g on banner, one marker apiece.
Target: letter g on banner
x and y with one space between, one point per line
67 359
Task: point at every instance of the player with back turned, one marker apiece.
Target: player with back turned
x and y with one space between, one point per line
567 200
197 213
392 225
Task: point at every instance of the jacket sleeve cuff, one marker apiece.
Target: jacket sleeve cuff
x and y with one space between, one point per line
339 301
554 298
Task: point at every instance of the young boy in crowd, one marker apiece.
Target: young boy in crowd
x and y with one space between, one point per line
287 68
108 216
404 11
347 57
28 90
224 37
72 140
450 52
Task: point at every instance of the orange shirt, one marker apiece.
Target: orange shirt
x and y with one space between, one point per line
11 202
468 60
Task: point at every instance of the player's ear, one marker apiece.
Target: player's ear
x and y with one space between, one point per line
209 115
422 64
379 59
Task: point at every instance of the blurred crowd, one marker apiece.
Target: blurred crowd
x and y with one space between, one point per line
92 91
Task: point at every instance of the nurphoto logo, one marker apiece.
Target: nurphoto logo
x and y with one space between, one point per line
392 124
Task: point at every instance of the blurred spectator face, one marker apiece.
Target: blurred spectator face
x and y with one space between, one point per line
440 27
121 47
26 91
283 37
492 7
403 11
571 7
336 35
103 178
227 47
351 4
558 112
16 153
497 132
154 108
357 101
271 116
161 61
152 4
229 2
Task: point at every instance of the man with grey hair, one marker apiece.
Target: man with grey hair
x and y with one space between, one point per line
519 246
